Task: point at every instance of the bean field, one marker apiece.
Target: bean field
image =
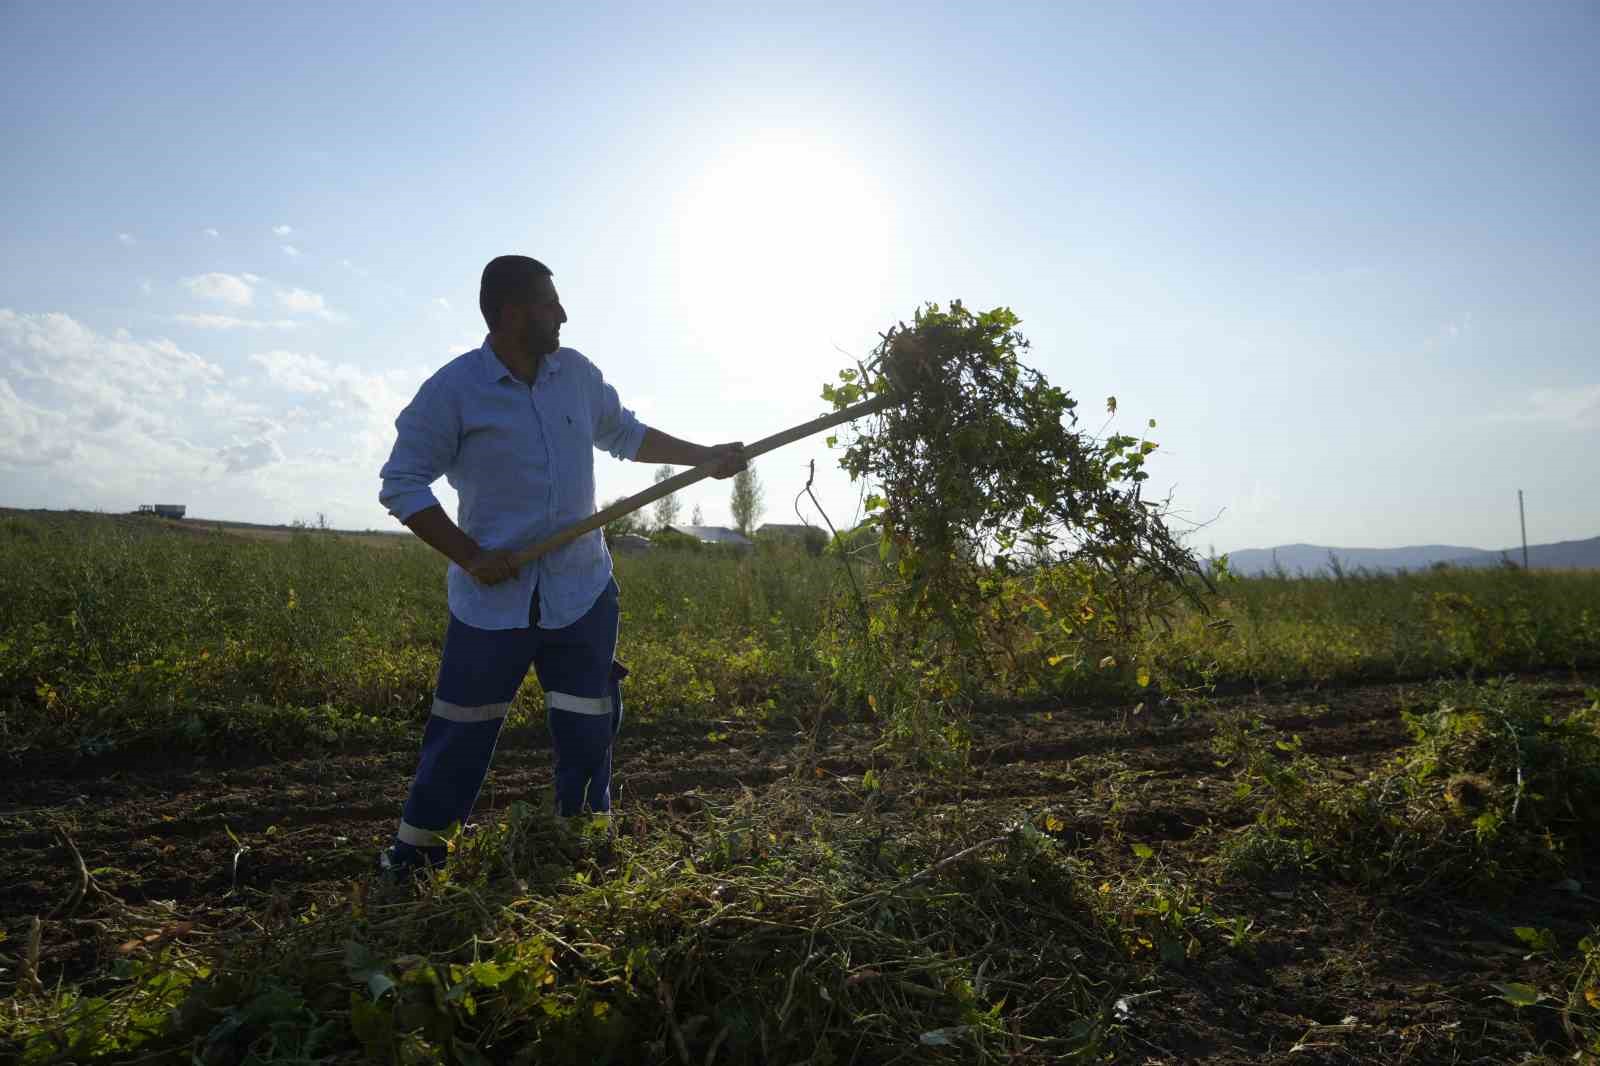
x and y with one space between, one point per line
1348 819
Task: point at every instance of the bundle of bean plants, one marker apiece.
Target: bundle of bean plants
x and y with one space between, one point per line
1017 549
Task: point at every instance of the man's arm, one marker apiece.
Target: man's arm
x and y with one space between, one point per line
427 434
659 447
434 528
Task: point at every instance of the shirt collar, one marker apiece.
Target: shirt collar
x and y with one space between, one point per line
494 369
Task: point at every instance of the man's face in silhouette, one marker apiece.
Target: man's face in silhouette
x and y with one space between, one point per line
533 325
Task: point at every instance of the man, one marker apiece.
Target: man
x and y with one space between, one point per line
512 425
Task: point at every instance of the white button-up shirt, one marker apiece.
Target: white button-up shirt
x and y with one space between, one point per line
521 459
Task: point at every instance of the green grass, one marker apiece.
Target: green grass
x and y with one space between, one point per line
781 933
116 632
1495 792
798 923
791 926
1272 630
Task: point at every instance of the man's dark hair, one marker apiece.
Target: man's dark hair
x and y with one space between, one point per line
507 279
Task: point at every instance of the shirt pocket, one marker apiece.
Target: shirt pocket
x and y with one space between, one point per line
575 435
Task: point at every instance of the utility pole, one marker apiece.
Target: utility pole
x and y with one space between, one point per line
1523 517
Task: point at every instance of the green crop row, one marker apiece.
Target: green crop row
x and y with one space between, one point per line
116 632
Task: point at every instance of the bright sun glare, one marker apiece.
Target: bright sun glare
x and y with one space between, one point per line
779 224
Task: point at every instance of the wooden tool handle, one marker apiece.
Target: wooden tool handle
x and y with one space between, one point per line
699 473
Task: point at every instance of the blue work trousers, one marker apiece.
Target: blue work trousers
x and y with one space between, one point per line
479 675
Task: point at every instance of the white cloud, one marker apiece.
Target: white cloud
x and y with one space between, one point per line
127 239
232 289
1573 407
20 442
254 279
211 231
96 420
250 455
209 321
295 371
338 386
306 303
440 301
282 231
301 300
67 388
145 287
291 250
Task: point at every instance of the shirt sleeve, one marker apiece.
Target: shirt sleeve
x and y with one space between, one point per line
616 429
428 435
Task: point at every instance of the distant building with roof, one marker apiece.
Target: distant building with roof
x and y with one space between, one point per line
628 544
721 536
164 510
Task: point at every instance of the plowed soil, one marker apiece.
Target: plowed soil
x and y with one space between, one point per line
1336 974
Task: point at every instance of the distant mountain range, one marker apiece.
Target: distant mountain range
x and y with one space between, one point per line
1313 559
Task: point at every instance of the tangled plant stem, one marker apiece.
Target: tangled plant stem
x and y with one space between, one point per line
990 504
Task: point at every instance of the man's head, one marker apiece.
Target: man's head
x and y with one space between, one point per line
520 305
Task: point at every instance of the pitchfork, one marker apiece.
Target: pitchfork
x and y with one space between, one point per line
699 473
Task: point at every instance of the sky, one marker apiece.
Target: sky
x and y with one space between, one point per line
1347 255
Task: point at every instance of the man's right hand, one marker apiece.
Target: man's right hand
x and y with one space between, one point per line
490 567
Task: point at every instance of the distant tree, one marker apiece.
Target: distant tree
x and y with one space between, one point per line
747 503
666 507
671 538
628 523
698 518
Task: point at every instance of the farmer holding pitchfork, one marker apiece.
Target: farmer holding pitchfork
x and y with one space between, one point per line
512 425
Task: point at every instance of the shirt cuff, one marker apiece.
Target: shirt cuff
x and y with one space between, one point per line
407 502
631 440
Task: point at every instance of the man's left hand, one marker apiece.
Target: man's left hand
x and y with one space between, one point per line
730 458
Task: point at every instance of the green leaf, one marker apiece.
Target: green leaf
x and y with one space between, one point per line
491 974
378 983
1537 939
1517 994
941 1037
364 966
1144 851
